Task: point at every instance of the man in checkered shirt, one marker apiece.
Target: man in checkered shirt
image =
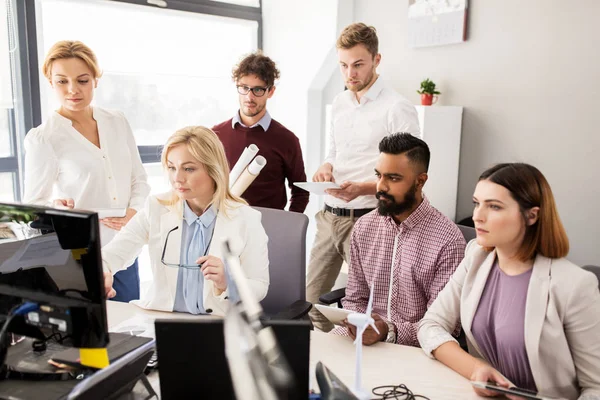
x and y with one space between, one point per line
405 249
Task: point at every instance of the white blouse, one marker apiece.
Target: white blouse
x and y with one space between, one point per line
61 163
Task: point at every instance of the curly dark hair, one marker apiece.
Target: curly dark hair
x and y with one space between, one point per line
256 64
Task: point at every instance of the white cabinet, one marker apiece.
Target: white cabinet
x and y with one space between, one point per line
441 130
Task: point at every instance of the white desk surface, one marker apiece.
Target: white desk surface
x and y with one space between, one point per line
383 363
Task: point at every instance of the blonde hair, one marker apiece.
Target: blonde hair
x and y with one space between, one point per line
204 145
71 49
359 33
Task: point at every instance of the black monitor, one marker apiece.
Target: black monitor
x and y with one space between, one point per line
51 276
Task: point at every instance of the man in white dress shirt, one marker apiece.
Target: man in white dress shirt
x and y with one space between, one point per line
361 116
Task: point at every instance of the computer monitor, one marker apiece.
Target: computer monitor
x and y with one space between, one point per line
51 274
259 370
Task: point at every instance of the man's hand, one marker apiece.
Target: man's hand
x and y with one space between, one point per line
370 336
117 223
108 282
324 174
348 191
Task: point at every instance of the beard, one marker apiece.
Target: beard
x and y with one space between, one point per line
252 113
392 207
361 85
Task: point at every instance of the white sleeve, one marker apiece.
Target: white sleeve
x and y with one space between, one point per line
139 179
120 252
331 138
255 256
41 169
402 117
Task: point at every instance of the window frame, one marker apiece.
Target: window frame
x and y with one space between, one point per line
27 71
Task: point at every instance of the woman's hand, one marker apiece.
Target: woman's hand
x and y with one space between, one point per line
108 282
213 269
117 223
63 203
483 372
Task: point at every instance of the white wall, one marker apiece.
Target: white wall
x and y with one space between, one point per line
529 79
298 35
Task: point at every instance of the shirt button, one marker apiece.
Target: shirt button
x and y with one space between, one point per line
110 177
209 310
114 198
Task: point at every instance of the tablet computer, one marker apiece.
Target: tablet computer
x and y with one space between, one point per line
524 393
317 188
333 314
110 212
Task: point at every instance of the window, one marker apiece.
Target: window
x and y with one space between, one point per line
164 72
9 165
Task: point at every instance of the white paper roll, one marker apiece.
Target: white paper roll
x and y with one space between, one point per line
247 156
257 165
249 175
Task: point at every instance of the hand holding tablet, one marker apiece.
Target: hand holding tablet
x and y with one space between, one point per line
317 188
335 315
516 391
110 212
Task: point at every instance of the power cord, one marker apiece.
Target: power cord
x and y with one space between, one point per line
400 392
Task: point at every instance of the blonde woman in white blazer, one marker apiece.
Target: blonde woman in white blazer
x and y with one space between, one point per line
188 270
83 156
531 317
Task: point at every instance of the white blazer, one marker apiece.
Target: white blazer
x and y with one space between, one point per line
150 226
562 321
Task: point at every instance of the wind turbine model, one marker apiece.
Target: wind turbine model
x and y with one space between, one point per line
361 321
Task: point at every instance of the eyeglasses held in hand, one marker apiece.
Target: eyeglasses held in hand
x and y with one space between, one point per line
258 91
176 265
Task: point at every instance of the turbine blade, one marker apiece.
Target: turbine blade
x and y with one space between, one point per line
372 324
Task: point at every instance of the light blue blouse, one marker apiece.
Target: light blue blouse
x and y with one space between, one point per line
195 240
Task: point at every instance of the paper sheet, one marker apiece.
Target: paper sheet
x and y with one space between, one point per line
249 175
110 212
317 188
138 325
242 163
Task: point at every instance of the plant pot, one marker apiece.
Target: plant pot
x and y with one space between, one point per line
428 99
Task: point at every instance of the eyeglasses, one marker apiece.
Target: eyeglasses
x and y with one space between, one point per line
176 265
258 91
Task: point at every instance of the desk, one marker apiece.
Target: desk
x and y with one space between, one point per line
383 363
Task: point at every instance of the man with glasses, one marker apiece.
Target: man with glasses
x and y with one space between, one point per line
255 77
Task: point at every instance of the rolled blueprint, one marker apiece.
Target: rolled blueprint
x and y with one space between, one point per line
242 163
249 175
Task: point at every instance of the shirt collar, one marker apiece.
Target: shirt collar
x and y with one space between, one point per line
264 122
206 218
375 89
415 217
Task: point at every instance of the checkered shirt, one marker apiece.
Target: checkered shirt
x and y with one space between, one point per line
408 264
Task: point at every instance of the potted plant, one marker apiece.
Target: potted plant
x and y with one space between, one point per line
428 92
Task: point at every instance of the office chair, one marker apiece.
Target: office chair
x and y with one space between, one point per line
595 270
286 298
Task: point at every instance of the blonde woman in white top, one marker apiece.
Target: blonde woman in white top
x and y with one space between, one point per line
184 230
83 156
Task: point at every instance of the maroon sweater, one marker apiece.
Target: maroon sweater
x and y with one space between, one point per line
282 150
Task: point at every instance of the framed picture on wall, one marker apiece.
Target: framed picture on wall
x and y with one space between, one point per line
436 22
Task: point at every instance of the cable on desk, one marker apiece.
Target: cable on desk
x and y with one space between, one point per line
400 392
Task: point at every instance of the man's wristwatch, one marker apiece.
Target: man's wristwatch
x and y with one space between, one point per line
391 336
